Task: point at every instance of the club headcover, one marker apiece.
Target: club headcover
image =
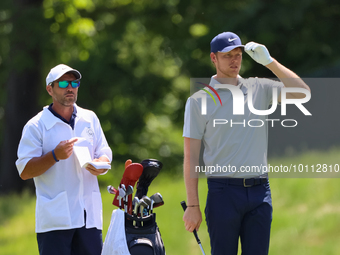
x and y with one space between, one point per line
151 168
131 174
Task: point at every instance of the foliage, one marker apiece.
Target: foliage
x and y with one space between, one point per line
137 56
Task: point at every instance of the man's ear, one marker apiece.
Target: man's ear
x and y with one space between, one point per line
213 57
49 89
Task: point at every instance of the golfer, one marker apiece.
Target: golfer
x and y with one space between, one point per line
68 206
239 202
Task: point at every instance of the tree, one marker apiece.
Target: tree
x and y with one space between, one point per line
21 86
137 58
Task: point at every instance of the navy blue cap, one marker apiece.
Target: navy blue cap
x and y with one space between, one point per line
225 42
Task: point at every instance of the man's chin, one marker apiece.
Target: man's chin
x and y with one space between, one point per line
233 73
70 101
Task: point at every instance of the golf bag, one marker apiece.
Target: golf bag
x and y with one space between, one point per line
145 238
135 232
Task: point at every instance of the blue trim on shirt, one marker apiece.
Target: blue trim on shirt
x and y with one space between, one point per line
73 116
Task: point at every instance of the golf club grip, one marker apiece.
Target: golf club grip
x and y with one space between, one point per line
184 206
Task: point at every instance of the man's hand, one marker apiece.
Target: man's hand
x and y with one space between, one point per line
258 52
64 149
192 218
39 165
94 170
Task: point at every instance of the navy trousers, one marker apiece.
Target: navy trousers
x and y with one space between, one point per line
235 211
79 241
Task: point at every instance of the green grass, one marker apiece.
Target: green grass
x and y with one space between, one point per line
306 214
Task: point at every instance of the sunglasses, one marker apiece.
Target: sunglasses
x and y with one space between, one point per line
64 84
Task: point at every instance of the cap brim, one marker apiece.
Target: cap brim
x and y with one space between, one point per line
230 48
76 74
73 71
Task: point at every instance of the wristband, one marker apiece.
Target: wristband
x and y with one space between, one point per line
55 158
193 205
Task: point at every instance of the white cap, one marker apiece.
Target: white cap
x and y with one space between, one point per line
58 71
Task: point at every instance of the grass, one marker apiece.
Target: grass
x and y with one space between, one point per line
306 213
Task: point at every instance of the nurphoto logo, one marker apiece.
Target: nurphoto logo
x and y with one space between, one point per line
207 91
239 98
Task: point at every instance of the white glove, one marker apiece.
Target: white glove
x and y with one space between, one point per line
258 52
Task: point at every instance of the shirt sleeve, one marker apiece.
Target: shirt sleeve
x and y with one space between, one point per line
194 121
270 86
30 146
102 148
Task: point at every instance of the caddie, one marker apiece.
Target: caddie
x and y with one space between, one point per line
69 205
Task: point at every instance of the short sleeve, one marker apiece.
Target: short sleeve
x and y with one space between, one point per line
30 146
194 121
102 147
270 86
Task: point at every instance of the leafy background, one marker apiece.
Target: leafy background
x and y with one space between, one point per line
137 57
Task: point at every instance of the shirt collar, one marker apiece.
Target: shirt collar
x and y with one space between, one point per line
213 82
240 84
74 114
50 119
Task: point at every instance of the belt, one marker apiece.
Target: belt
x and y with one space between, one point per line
242 182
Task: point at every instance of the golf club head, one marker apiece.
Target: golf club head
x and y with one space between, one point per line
112 190
129 190
147 200
143 204
135 204
121 192
155 205
123 186
128 197
157 197
151 168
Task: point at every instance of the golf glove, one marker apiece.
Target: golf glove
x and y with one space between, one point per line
258 52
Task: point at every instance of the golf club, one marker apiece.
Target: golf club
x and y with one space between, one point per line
112 190
121 195
148 201
156 199
184 206
129 191
136 205
131 175
142 205
155 205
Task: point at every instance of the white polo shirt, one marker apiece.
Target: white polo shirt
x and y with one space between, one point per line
234 145
65 190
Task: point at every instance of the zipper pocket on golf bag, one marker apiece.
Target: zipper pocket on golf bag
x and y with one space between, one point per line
141 246
144 239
